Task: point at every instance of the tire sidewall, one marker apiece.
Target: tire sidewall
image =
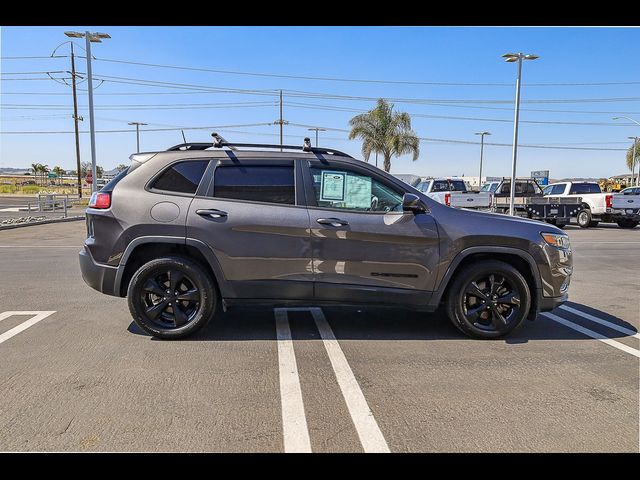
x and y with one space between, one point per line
201 279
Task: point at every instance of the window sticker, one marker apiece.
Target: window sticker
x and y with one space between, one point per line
332 186
358 192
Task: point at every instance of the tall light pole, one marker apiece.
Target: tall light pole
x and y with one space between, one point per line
482 134
90 38
317 129
137 124
633 159
516 57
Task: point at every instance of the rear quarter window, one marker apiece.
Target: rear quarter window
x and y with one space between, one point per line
181 177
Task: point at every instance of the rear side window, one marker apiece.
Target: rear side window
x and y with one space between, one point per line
257 183
182 177
110 185
585 188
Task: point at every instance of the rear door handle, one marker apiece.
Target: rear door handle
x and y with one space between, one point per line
213 213
334 222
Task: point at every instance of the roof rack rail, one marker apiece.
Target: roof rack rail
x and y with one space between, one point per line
220 142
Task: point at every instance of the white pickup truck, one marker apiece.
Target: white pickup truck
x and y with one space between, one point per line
453 192
596 206
627 202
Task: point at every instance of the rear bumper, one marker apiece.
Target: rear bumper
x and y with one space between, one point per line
97 276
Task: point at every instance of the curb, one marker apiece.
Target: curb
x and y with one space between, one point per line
42 222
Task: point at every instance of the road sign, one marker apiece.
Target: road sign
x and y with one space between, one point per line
53 175
541 176
89 178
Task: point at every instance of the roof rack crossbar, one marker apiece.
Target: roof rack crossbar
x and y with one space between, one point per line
232 145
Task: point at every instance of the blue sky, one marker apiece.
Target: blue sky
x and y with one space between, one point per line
429 54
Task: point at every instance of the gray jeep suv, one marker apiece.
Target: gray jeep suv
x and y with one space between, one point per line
184 232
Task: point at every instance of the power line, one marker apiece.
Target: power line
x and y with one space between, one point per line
356 80
129 130
34 58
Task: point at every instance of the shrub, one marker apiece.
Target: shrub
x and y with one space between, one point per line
30 189
7 189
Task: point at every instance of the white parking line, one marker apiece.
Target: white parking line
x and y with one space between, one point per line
294 421
36 317
370 435
592 334
626 331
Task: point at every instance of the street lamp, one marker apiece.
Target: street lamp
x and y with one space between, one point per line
482 134
90 38
633 159
511 58
137 124
317 129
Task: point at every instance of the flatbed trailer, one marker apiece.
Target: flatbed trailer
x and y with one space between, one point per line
529 202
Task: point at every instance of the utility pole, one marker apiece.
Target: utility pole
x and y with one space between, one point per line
75 120
280 122
482 134
137 124
633 162
317 129
511 58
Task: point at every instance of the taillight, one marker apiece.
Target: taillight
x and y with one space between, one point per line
100 200
609 200
447 199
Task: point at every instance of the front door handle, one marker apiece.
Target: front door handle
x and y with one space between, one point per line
213 213
334 222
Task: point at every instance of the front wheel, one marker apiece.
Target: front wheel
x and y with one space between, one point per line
584 218
627 223
488 299
171 297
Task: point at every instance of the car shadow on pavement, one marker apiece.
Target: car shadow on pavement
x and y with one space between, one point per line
386 323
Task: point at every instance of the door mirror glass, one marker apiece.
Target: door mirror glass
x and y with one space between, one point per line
412 203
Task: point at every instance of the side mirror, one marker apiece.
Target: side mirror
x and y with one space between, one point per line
412 203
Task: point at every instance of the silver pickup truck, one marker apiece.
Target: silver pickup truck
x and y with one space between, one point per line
453 192
626 204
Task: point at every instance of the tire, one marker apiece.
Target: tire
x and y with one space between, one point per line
584 218
174 316
485 323
627 223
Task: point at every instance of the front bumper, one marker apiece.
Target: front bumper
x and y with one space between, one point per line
546 304
98 276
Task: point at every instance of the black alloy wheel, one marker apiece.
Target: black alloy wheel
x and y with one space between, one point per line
172 297
491 302
488 299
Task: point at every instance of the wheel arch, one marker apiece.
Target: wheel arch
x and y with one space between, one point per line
519 259
143 249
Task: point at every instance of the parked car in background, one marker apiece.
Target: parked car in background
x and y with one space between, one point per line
454 192
184 232
596 206
627 204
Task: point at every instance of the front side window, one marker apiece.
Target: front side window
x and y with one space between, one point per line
182 177
257 183
343 189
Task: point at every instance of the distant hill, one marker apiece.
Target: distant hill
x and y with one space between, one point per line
14 171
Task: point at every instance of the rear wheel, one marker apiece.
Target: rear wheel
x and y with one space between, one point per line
584 218
625 223
171 297
488 299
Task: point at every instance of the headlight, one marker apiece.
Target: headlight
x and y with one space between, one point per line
556 240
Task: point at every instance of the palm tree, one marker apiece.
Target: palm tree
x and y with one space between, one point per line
36 170
59 171
44 169
631 164
384 131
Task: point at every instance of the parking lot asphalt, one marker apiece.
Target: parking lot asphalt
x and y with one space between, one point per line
77 375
